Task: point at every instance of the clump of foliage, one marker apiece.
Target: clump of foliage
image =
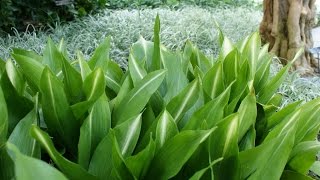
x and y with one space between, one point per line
171 115
20 13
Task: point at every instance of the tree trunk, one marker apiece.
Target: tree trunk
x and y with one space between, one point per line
287 26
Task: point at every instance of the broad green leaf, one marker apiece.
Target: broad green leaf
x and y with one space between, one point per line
277 117
30 54
198 175
125 88
27 168
21 137
230 67
2 66
16 78
178 150
52 57
248 140
271 87
138 97
303 156
176 80
139 163
251 51
70 169
166 129
101 164
12 98
226 48
57 112
3 120
127 134
181 103
31 68
143 49
270 164
156 57
100 55
72 81
316 167
212 112
213 81
247 114
81 109
120 169
262 75
93 130
136 69
94 85
113 76
292 175
84 67
224 143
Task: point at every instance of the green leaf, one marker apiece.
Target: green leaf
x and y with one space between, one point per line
57 112
139 163
181 103
2 66
16 78
224 143
84 67
303 156
94 85
262 75
251 51
52 57
127 134
178 150
156 57
316 167
93 130
6 164
212 112
21 137
100 55
138 97
113 76
143 49
247 114
72 81
267 160
230 67
166 129
101 164
136 68
31 68
30 54
198 175
213 83
291 175
30 168
70 169
226 48
3 120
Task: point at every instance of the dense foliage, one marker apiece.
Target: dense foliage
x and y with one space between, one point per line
175 115
20 13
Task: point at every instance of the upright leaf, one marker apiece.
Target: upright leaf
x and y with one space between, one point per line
16 78
93 130
52 57
3 120
30 168
178 150
156 57
70 169
84 67
113 76
94 85
138 97
100 55
213 81
57 112
184 100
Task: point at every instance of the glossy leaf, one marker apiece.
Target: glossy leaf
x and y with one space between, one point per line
93 130
3 119
136 69
184 100
57 112
30 168
251 51
16 78
213 83
166 129
178 149
138 97
303 156
113 76
292 175
94 85
143 49
30 54
52 57
100 55
156 57
21 138
84 67
70 169
198 175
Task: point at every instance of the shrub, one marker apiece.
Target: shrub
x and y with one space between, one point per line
171 115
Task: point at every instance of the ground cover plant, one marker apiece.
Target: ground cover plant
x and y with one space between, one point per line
172 114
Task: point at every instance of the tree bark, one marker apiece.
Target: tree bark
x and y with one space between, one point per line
287 26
